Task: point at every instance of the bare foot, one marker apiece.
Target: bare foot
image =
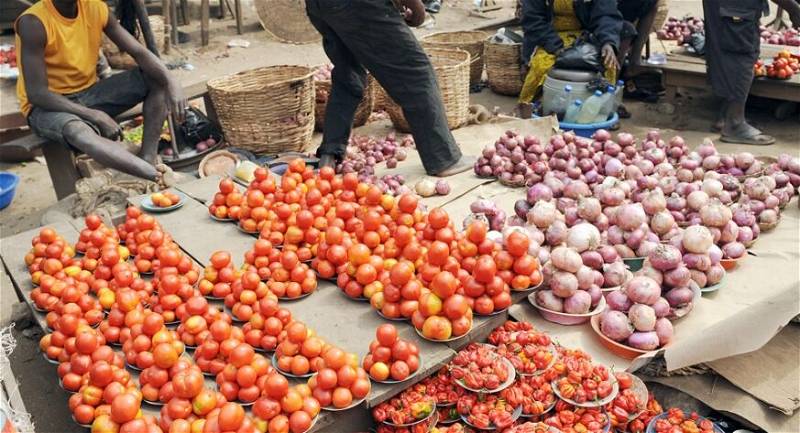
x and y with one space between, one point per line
463 164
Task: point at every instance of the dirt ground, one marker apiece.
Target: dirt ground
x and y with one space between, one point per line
693 115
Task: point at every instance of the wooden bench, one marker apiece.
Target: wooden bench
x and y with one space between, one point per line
61 161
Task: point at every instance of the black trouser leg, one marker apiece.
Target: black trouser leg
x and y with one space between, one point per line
379 39
347 90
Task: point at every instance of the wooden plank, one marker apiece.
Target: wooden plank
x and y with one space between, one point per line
202 189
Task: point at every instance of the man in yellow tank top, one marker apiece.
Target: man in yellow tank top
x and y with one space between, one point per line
58 42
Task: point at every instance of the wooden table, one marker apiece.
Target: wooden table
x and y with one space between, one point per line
686 70
341 321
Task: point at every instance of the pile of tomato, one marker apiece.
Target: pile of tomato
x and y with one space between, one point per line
676 421
410 406
784 65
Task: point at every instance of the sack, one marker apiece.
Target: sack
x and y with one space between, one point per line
196 128
583 55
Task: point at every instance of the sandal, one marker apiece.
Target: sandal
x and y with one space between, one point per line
433 6
623 112
746 134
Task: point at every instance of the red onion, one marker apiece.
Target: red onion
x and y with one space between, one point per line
538 192
624 251
676 203
625 139
745 234
654 202
768 216
662 222
579 303
733 250
566 259
664 331
634 239
589 208
521 208
771 202
646 247
595 294
609 253
665 257
696 200
715 214
729 233
649 271
679 296
548 300
642 290
678 277
714 274
592 259
697 239
744 160
631 216
563 284
699 277
661 308
585 277
643 317
618 300
706 149
612 196
714 254
614 274
701 262
644 340
756 189
556 234
543 214
613 167
615 325
583 237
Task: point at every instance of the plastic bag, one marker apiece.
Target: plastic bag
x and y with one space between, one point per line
196 128
584 56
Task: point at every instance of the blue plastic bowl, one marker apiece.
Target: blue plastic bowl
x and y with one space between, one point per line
8 186
587 129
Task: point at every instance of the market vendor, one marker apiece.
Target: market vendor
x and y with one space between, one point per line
359 34
638 16
62 98
732 47
552 26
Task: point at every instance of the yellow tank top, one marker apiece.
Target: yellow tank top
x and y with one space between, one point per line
72 47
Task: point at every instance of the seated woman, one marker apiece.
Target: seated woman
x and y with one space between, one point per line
551 26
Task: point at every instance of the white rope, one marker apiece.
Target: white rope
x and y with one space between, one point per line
21 420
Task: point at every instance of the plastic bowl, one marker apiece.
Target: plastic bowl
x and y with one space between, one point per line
566 318
651 427
619 349
731 264
634 263
8 186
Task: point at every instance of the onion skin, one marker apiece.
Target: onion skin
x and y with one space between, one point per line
678 277
618 300
697 239
579 303
700 262
595 294
631 216
661 307
642 290
664 331
615 325
699 277
592 259
585 277
679 296
644 340
643 317
566 259
651 272
583 237
733 250
715 274
665 257
614 274
546 299
563 284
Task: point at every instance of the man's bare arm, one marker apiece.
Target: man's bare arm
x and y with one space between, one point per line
151 65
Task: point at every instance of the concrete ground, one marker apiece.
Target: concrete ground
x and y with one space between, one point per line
48 403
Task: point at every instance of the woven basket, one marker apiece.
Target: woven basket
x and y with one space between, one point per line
469 41
121 60
363 110
266 110
452 74
502 67
662 12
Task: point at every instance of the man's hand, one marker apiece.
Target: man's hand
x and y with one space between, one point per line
609 57
109 128
176 100
413 12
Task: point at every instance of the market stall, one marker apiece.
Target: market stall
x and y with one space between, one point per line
741 312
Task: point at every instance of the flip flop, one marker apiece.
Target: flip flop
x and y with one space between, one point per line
623 112
756 140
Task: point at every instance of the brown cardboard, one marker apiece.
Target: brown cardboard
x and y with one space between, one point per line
770 374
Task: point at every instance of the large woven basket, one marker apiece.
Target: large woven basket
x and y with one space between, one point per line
662 12
452 74
121 60
322 90
266 110
503 67
469 41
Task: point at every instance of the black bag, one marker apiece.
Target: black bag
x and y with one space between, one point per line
196 128
583 55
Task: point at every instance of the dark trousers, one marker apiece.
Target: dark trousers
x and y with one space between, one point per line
371 34
732 46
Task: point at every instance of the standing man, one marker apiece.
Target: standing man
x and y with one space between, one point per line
372 34
732 47
60 94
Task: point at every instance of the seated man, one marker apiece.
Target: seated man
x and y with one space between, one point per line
60 94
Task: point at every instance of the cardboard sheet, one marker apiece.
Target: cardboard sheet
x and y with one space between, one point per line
770 374
722 396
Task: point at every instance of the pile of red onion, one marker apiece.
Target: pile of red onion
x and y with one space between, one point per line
573 287
364 152
638 315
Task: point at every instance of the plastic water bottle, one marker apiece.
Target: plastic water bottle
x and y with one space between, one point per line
618 94
561 102
608 105
591 108
574 109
